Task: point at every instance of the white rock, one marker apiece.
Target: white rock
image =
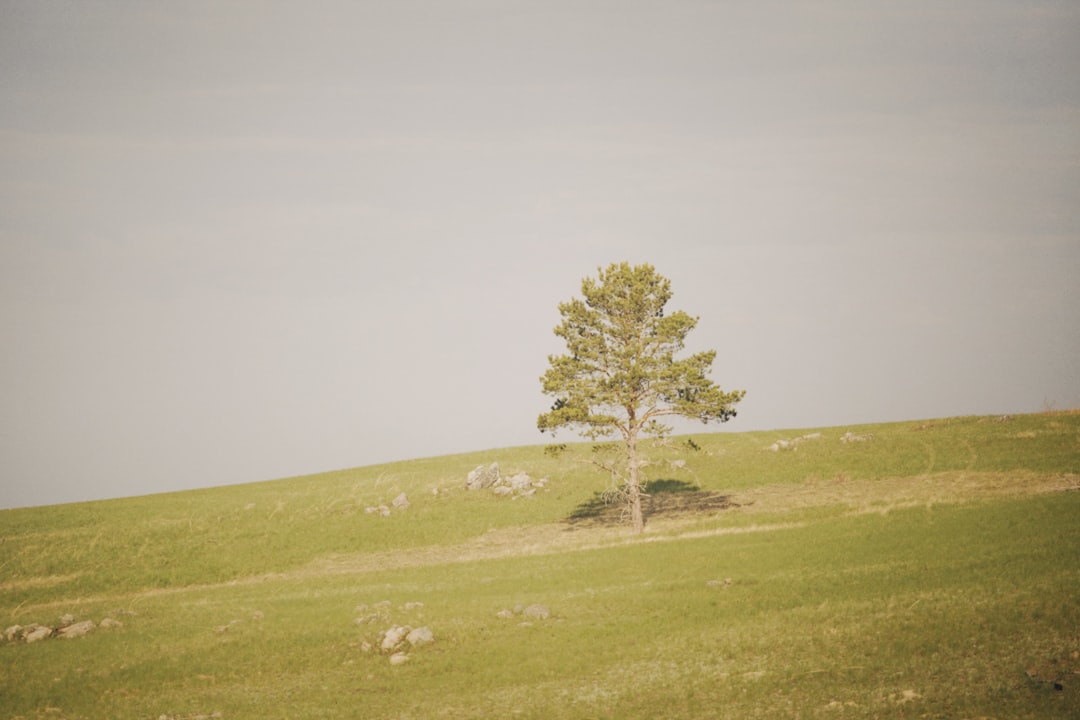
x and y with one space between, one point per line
77 630
420 636
521 481
537 612
38 633
393 637
399 659
482 477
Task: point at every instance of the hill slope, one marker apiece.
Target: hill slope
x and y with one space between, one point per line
923 568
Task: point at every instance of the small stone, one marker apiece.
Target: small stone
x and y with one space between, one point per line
110 623
67 619
365 647
420 636
482 477
39 632
537 612
505 614
393 637
904 697
401 501
77 630
399 659
521 481
13 632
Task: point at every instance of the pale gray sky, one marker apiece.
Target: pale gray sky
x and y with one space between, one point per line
248 240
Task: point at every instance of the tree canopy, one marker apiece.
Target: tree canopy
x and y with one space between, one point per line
620 376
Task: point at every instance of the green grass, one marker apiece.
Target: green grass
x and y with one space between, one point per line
930 571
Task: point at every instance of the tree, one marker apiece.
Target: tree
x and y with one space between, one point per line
620 375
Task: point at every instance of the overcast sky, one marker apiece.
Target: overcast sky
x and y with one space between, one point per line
249 240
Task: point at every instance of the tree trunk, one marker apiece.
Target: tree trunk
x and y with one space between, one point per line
633 486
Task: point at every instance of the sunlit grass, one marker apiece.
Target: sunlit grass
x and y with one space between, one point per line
929 571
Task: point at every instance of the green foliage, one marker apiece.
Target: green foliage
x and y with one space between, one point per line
620 374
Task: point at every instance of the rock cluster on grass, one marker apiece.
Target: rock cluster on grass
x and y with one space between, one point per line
67 629
396 641
529 613
490 477
793 444
401 502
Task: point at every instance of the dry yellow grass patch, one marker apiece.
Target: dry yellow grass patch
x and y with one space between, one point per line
890 493
44 581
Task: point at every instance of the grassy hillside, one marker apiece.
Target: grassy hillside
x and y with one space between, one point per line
922 569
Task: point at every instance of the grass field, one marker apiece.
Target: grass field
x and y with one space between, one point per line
925 569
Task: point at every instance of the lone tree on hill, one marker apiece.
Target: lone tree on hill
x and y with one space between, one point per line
620 374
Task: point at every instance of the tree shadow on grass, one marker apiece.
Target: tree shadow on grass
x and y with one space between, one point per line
663 498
